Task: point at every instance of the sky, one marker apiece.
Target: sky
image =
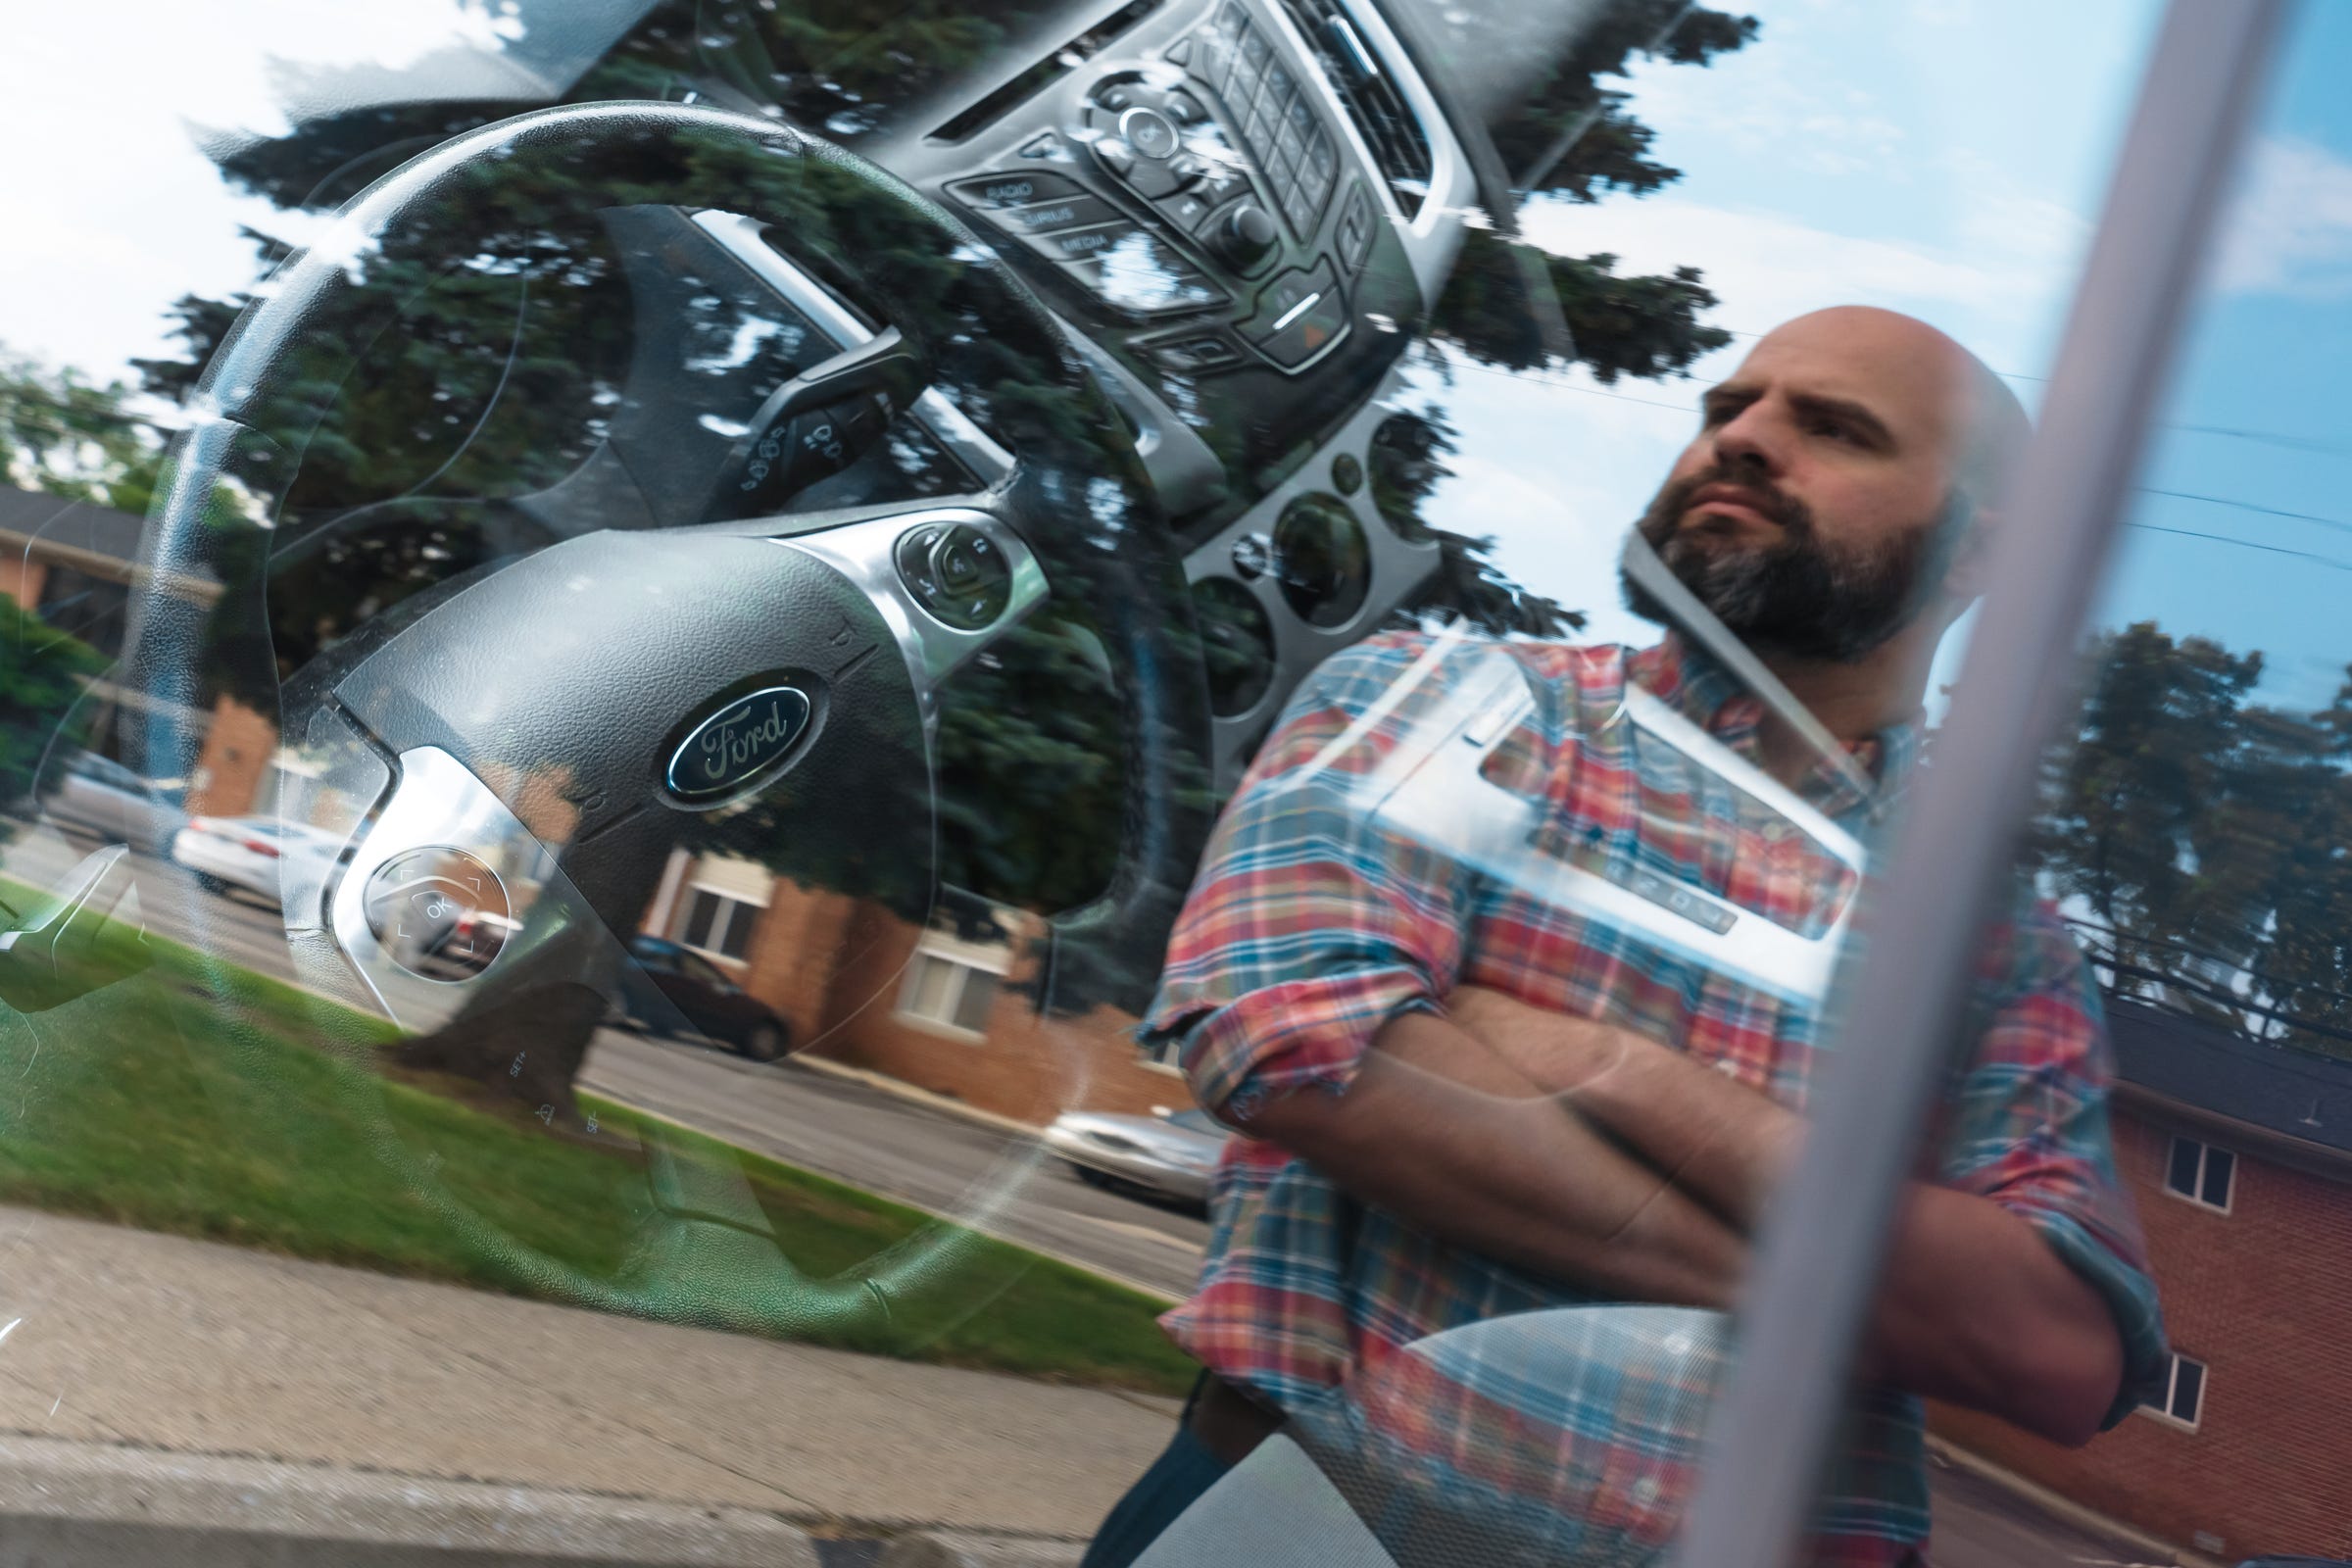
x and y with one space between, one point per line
1942 156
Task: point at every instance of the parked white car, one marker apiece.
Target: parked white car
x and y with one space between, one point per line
101 795
244 851
1172 1152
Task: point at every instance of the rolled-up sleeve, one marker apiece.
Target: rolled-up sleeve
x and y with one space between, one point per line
2031 1132
1309 925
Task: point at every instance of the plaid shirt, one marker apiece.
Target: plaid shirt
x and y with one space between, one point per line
1311 924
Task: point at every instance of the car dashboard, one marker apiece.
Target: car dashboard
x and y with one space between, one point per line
1242 212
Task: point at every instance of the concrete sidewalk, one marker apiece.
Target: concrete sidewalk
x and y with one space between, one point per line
159 1347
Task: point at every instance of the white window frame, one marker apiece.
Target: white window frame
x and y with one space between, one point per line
967 959
720 927
2204 1153
2171 1381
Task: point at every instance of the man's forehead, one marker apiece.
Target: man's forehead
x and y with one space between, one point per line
1904 371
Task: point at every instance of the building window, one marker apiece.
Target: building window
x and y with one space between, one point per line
2200 1173
948 992
712 922
2182 1395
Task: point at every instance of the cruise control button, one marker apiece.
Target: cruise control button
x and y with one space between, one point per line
1149 133
1015 190
1078 211
1076 245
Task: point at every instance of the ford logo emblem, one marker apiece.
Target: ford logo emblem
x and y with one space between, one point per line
737 743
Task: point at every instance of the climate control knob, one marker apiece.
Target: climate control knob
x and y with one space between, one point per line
1245 237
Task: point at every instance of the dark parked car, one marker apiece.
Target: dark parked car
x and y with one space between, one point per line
673 981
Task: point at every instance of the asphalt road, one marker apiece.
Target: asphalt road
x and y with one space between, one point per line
997 1181
241 927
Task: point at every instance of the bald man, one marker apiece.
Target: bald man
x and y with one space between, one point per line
1460 1102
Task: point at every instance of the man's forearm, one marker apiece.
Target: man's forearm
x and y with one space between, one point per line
1975 1307
1440 1131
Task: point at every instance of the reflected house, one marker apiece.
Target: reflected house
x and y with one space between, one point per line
926 1006
2239 1157
72 563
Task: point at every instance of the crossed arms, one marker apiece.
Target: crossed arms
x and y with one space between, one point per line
1594 1155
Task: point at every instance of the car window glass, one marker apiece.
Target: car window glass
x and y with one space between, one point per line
1147 624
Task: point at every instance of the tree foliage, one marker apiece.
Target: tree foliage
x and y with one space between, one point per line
2207 839
64 435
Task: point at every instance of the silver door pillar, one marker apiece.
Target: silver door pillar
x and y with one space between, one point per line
1825 1235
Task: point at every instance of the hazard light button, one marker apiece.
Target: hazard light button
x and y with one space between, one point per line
1299 316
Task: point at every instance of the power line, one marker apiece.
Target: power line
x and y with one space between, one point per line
2245 544
2336 523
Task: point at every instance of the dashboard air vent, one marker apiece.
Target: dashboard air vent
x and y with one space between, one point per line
1377 105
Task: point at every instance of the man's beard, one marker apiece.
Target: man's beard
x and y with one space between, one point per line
1798 596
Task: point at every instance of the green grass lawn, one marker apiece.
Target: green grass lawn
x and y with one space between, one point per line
155 1103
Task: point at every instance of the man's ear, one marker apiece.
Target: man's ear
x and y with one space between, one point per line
1965 579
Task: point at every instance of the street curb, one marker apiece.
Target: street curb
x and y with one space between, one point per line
2063 1508
942 1548
902 1089
86 1505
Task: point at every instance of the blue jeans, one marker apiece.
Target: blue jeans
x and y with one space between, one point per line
1176 1479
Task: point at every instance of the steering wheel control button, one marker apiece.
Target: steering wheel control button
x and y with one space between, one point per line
736 746
1047 218
439 913
1029 186
960 576
1346 473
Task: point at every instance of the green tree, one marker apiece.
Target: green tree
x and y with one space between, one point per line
63 435
2206 834
42 678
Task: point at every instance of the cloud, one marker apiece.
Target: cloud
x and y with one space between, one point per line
2289 231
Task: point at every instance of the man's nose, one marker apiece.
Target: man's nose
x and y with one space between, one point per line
1749 442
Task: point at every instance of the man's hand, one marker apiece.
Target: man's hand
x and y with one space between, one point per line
1975 1309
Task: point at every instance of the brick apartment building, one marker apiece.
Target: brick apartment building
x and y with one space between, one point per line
2239 1156
925 1007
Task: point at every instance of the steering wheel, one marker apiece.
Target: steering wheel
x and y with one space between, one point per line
527 746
